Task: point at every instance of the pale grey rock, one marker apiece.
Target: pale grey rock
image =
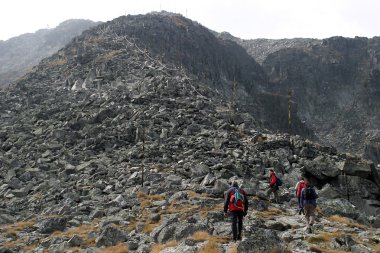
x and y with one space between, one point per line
110 236
338 207
49 225
262 240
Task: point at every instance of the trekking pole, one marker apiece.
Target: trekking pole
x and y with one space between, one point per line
290 110
347 190
142 156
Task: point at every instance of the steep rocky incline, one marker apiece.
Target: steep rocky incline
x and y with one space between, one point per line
105 148
19 54
173 39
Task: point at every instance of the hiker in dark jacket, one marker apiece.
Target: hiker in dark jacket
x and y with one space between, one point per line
273 187
237 207
309 204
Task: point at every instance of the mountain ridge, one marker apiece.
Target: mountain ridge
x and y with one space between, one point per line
19 54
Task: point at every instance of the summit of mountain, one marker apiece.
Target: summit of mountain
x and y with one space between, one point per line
173 39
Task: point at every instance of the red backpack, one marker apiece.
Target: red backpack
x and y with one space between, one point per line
301 185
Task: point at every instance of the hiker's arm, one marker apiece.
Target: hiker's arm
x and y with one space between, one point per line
227 198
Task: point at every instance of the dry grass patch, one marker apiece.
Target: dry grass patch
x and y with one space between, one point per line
11 230
323 250
275 250
210 247
158 247
119 248
193 194
146 200
149 227
18 226
12 244
74 249
345 220
200 236
131 226
29 248
377 248
205 210
82 231
324 237
188 210
271 213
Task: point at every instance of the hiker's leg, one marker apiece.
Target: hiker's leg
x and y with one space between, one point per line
240 225
312 215
234 217
308 213
269 191
299 203
275 192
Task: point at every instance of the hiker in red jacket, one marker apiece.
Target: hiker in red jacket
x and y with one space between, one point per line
236 202
299 186
273 187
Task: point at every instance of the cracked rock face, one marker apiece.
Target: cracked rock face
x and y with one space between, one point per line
142 154
334 82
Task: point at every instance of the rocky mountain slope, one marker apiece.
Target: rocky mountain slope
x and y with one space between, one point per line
334 83
19 54
107 147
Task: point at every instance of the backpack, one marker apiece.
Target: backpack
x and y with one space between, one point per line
278 181
301 185
310 193
237 198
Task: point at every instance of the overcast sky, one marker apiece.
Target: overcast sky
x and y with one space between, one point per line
247 19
